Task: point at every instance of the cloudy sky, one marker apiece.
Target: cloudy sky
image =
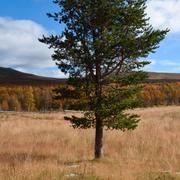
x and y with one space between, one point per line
22 22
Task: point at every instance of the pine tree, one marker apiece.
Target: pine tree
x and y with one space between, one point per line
101 49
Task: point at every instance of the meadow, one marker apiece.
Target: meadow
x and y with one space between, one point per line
42 146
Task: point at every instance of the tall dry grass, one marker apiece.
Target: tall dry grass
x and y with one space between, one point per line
44 147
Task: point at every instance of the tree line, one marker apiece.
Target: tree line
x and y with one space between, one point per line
32 98
27 98
160 94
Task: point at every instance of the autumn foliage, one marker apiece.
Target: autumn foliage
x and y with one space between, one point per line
27 98
33 98
160 94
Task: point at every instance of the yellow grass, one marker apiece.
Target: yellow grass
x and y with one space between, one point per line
44 147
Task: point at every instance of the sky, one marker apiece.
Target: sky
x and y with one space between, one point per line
22 22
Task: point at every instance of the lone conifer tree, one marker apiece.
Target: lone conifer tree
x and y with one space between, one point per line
101 49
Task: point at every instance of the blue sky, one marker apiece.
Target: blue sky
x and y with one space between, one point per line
31 10
23 21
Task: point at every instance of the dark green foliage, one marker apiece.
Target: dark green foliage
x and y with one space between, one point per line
100 49
83 122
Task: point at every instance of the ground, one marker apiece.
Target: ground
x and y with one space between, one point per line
42 146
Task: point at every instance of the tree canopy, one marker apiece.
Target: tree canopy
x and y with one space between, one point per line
101 48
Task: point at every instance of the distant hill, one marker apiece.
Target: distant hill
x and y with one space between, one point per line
10 76
155 77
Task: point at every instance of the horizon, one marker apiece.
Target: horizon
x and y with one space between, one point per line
34 74
21 27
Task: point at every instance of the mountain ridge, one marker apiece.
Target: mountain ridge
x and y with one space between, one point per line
9 76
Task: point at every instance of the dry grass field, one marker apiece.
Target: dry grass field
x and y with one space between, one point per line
37 146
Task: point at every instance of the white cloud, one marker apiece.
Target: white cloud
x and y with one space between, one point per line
174 66
170 63
163 66
20 48
54 73
164 14
49 72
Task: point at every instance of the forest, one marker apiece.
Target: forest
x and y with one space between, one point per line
34 98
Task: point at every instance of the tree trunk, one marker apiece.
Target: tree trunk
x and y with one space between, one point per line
99 121
99 138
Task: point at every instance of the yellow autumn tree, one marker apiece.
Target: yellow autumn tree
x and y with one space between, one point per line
29 100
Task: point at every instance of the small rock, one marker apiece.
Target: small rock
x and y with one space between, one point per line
72 175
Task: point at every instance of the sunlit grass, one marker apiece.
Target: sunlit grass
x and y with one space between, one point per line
44 146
